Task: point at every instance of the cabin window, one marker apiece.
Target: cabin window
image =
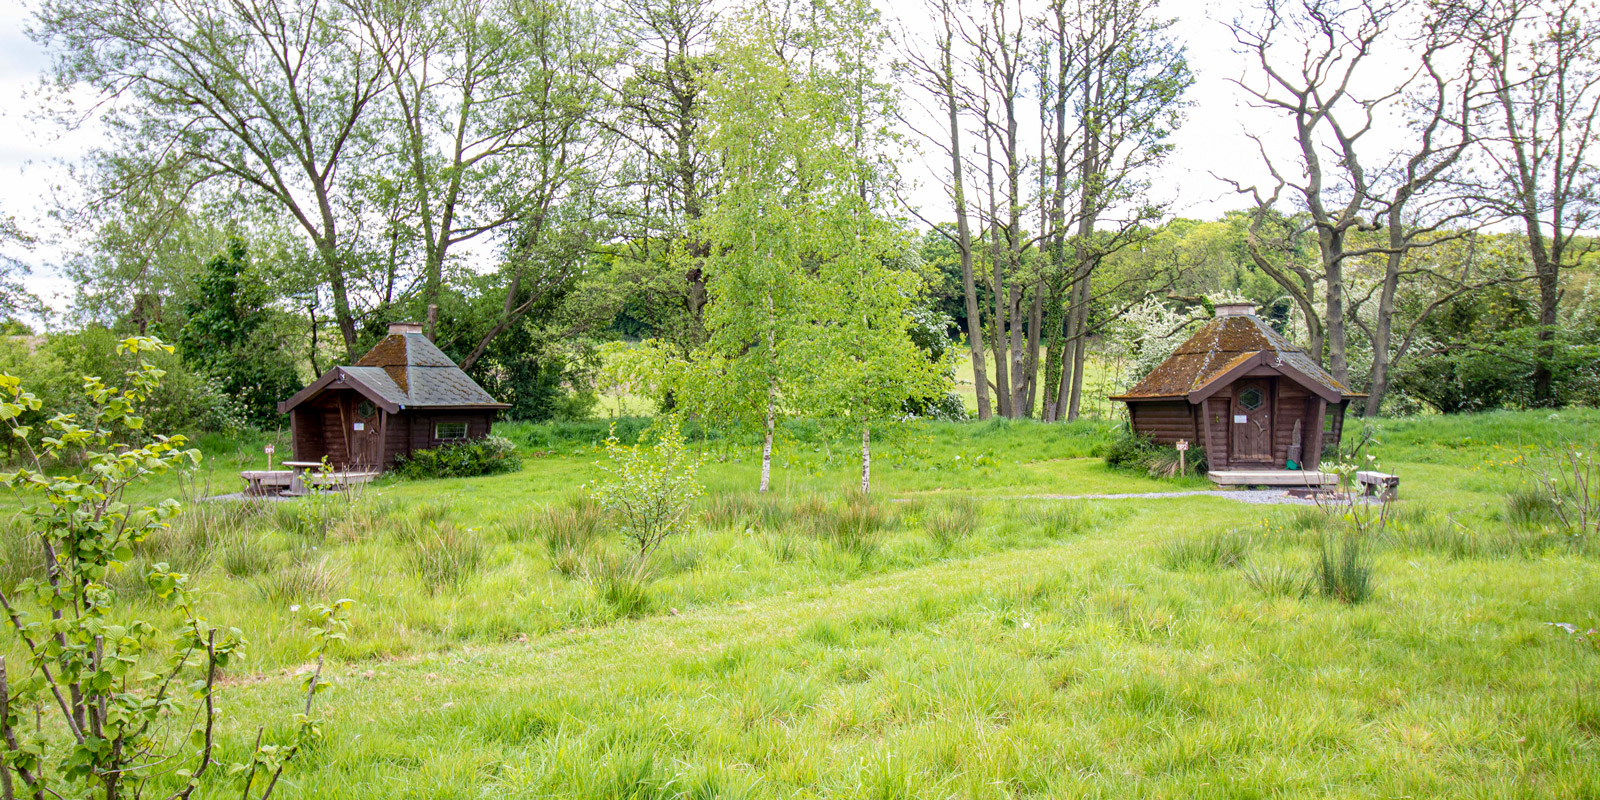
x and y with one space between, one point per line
1251 399
366 410
447 431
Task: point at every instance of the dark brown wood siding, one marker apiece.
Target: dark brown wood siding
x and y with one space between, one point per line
1217 430
1164 421
309 439
1291 408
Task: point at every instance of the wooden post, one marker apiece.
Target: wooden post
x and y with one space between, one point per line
1183 452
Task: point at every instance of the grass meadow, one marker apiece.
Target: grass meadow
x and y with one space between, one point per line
953 635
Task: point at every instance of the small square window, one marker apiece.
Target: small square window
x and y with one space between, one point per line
1251 399
447 431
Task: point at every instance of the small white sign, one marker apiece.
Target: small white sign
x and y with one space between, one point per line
1238 419
361 426
1182 445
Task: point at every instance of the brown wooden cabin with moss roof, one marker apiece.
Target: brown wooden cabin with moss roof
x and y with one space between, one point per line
403 396
1242 393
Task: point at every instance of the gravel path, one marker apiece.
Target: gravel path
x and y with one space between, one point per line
1252 496
1255 496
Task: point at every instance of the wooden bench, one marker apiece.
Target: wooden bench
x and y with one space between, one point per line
1382 485
263 481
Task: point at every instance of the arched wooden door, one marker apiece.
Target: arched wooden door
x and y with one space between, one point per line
1252 422
366 433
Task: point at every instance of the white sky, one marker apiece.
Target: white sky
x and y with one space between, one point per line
34 155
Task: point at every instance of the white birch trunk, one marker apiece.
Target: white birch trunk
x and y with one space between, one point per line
766 444
866 458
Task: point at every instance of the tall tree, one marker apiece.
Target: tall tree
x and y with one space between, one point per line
660 98
1117 95
481 90
1541 133
228 337
275 97
1307 55
939 76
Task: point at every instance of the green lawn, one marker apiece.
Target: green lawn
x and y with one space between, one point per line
964 644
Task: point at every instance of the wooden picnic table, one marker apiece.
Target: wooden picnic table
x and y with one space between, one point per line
297 484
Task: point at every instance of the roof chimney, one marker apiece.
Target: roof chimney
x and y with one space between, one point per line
410 327
1236 309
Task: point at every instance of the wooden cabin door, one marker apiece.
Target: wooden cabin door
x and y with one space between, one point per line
366 434
1252 422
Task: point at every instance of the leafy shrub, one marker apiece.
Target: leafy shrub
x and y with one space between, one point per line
649 489
1216 551
1343 569
128 692
1128 450
1135 452
490 455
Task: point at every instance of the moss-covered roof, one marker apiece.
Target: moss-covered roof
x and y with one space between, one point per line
1222 345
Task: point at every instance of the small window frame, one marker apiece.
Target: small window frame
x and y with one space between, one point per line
1245 402
454 425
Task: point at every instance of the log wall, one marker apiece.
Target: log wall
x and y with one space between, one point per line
1164 421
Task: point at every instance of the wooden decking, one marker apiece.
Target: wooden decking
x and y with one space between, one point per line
1272 477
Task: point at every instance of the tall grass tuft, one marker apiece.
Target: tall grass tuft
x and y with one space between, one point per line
446 557
1056 518
569 531
21 557
854 525
1531 508
305 577
1343 568
1278 580
1215 551
952 520
245 557
620 582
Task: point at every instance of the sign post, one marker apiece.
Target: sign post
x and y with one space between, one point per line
270 451
1183 451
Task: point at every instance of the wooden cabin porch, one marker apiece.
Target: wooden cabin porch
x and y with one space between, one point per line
1311 479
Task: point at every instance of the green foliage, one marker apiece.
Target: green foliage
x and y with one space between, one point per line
228 338
110 681
650 487
489 455
57 366
1135 452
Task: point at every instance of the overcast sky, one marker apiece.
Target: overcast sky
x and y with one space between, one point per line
33 154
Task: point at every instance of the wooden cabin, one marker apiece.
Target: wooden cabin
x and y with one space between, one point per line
402 396
1247 397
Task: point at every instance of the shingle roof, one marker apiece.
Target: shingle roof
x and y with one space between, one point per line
405 370
1223 345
